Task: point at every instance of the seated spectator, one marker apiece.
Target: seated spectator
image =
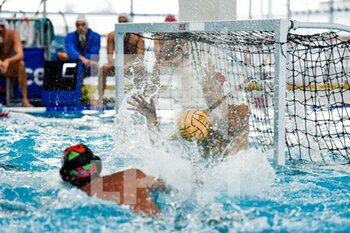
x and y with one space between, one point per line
169 51
171 55
11 58
133 45
82 45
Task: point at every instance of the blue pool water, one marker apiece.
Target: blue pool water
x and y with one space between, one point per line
244 193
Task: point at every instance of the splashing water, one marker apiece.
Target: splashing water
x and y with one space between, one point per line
241 193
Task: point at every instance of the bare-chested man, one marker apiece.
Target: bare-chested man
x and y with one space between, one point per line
11 58
133 45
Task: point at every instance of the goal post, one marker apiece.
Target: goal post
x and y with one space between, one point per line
253 60
279 27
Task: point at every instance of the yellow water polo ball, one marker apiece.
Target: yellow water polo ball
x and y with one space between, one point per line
194 125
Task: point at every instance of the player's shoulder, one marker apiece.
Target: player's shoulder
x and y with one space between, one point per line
110 35
10 31
71 34
93 33
136 38
136 35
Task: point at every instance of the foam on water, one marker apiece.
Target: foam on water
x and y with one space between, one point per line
175 164
240 193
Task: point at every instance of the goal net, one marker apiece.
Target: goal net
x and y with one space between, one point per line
235 72
318 98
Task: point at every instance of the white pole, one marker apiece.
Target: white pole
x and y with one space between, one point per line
270 9
132 10
44 10
335 26
119 68
331 11
280 93
250 9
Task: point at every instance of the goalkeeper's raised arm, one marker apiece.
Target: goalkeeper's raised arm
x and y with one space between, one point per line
227 109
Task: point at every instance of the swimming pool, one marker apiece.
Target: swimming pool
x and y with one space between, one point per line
242 194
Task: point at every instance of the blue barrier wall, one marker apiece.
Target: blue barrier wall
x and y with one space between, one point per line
34 61
35 65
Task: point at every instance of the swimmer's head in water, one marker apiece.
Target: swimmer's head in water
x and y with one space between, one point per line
79 165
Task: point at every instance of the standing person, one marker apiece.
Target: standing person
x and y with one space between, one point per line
82 45
11 58
133 45
132 187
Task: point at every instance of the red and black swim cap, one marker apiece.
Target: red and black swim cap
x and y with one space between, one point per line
80 165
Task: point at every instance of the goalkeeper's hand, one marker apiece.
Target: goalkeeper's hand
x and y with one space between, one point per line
148 109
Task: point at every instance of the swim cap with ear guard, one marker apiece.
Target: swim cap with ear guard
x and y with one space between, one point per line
80 165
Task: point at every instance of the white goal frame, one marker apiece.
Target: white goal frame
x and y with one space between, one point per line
280 27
